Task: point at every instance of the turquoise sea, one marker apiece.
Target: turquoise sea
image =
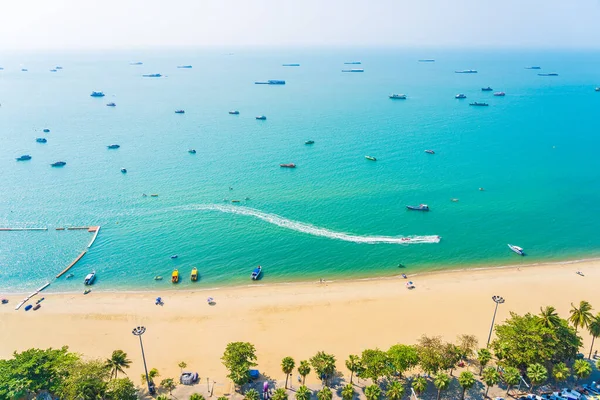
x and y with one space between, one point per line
534 152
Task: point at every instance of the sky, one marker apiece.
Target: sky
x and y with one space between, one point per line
126 24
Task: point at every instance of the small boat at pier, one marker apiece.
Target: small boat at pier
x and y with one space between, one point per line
429 151
234 112
256 273
179 111
371 158
486 89
58 164
261 118
460 96
89 278
517 249
194 274
397 96
97 94
477 104
290 165
41 140
175 276
420 207
499 94
113 146
24 157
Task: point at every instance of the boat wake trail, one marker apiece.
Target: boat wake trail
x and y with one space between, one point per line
311 229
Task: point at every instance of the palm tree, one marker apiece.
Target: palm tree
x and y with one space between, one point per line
484 356
419 384
287 366
352 363
117 362
549 317
324 394
491 377
196 396
581 317
395 391
182 365
441 382
304 369
373 392
252 394
222 398
561 372
348 392
302 393
169 384
162 397
466 380
594 329
511 376
582 369
537 374
280 394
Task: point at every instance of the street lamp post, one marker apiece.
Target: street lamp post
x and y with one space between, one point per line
139 331
498 300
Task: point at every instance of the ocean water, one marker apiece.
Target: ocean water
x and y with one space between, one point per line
534 152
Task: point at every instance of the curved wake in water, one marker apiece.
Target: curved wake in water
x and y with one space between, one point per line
311 229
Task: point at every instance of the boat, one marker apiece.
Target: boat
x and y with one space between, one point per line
136 63
235 201
124 170
499 94
37 307
309 142
256 273
398 96
152 75
89 278
59 164
174 256
58 67
353 70
175 276
192 151
158 278
270 82
111 104
353 63
290 65
371 158
427 60
533 67
40 300
551 74
46 130
184 66
24 70
86 291
479 104
97 94
53 70
486 89
290 165
194 275
24 157
153 195
28 307
261 117
420 207
70 276
41 140
113 146
4 301
429 151
516 249
598 89
466 71
460 96
179 111
234 112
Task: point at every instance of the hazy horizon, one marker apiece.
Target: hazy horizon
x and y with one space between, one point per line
112 24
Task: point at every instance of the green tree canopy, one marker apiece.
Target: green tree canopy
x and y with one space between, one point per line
537 374
373 392
117 363
582 369
466 380
594 329
402 358
419 384
304 369
430 350
122 389
348 392
287 366
303 393
324 394
375 364
280 394
484 356
353 365
561 372
548 317
196 396
87 380
324 365
252 394
451 354
395 391
467 345
582 315
441 383
238 358
168 384
162 397
511 377
491 377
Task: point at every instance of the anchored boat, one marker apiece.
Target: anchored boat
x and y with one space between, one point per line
175 276
97 94
89 278
194 275
290 165
517 249
371 158
460 96
420 207
256 273
479 104
398 96
113 146
24 157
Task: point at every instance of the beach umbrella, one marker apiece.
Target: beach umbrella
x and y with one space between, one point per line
210 300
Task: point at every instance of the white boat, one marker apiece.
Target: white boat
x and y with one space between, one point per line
89 279
397 96
517 249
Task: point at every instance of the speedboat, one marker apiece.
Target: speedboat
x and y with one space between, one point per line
53 70
533 67
58 164
517 249
158 278
256 273
353 63
429 151
41 140
551 74
353 70
398 96
46 130
420 207
276 82
309 142
184 66
261 117
192 151
598 89
24 70
427 60
111 104
24 157
113 146
179 111
290 165
174 256
479 104
175 276
89 278
234 112
486 89
152 75
124 170
466 71
194 275
371 158
290 65
499 94
460 96
97 94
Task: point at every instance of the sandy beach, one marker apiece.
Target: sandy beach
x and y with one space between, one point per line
295 320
